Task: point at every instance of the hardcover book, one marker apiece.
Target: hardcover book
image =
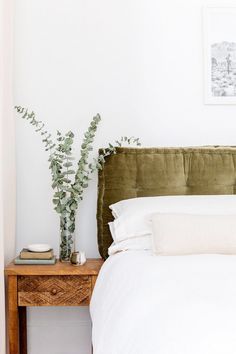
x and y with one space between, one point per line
26 254
18 260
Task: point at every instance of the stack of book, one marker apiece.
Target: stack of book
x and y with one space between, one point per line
28 257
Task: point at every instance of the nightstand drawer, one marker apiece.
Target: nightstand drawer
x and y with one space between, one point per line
54 290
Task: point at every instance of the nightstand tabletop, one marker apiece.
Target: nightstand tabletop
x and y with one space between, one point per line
91 267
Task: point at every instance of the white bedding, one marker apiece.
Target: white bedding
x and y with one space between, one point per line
145 304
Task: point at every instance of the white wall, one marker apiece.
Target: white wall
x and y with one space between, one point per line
8 132
2 287
140 65
7 155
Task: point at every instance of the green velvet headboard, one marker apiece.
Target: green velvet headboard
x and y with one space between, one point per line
138 172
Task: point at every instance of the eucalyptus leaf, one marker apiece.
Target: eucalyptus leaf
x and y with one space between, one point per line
68 194
70 172
68 164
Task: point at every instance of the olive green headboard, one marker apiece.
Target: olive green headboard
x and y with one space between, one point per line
138 172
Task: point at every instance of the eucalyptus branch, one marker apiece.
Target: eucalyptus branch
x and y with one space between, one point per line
82 174
38 125
69 183
110 150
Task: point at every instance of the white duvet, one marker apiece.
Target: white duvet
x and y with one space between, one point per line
145 304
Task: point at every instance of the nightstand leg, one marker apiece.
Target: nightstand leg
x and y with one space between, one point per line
23 329
13 319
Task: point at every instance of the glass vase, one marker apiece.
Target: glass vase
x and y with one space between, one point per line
67 230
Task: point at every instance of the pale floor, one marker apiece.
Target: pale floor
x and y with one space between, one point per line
58 330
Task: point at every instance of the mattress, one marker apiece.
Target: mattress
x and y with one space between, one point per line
146 304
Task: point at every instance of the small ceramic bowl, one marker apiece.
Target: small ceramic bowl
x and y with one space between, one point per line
39 247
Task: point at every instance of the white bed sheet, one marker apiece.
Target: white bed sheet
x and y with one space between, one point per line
145 304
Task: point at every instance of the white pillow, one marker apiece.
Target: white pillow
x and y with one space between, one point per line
133 215
135 243
181 234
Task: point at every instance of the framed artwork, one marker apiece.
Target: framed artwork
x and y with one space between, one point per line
220 54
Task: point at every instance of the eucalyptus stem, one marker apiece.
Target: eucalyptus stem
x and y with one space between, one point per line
70 180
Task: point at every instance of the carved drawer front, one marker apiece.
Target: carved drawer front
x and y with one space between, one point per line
60 290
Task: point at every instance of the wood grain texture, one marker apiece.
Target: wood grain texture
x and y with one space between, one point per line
91 267
13 319
93 280
61 284
52 290
23 329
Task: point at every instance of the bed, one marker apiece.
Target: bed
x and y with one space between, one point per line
146 304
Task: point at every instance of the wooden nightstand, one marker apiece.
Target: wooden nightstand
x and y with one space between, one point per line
61 284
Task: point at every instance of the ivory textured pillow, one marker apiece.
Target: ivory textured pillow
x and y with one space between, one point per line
133 215
180 234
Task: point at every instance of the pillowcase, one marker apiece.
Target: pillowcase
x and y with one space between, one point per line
133 215
181 234
132 244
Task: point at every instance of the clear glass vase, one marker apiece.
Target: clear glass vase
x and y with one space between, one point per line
67 230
